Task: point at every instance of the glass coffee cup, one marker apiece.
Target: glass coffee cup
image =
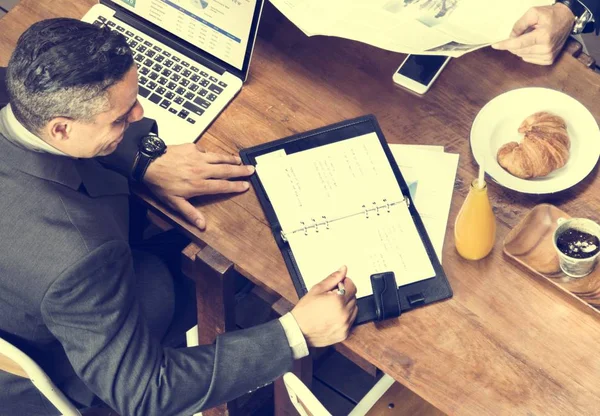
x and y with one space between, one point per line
577 242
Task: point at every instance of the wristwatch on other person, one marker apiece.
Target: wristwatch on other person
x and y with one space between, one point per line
583 16
151 147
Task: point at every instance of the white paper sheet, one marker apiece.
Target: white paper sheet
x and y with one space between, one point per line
430 176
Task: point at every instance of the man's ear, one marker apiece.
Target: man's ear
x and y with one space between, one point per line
59 129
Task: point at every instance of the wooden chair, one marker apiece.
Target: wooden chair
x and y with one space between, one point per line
386 398
15 361
308 405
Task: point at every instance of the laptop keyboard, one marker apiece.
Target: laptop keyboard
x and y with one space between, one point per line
173 83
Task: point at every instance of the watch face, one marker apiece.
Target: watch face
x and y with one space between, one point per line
153 145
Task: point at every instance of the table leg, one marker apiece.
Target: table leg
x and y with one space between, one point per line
215 298
302 368
573 47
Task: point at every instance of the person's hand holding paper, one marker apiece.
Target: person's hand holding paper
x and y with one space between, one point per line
425 27
539 36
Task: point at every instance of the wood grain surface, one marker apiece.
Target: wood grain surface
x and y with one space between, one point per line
506 343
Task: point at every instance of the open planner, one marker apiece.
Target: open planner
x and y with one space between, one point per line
335 196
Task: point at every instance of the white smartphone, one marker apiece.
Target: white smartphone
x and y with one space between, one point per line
418 72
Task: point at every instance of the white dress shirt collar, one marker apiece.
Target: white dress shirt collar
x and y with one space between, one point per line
16 133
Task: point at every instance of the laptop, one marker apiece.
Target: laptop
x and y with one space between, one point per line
192 56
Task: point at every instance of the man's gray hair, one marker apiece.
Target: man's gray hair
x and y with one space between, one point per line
36 110
64 68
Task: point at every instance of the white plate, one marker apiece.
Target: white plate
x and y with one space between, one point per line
498 121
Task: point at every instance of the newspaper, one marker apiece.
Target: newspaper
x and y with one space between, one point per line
425 27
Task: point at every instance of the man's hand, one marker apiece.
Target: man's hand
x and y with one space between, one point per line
186 171
325 316
538 37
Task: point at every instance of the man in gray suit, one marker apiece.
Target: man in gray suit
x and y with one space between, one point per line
94 313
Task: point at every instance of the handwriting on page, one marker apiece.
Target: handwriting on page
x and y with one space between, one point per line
341 204
378 244
324 181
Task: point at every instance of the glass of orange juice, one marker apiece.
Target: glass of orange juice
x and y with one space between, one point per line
475 226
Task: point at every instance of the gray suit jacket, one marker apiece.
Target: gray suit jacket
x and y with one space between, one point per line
68 298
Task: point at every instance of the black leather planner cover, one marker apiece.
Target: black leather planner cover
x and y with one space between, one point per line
409 296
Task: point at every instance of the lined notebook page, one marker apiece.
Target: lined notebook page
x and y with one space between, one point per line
341 204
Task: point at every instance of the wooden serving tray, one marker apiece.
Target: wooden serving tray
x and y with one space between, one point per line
530 245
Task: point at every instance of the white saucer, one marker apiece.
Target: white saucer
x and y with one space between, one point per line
498 121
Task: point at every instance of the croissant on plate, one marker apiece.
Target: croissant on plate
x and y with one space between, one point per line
544 148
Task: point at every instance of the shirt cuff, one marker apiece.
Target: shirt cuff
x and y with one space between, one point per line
294 335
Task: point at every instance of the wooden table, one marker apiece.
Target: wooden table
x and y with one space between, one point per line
506 343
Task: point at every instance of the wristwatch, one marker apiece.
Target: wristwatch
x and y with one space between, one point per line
151 147
583 16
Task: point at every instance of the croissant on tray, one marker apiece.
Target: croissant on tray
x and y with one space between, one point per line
544 148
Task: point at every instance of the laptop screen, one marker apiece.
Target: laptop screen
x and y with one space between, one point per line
219 27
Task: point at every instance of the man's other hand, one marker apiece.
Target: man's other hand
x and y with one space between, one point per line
538 37
186 171
324 315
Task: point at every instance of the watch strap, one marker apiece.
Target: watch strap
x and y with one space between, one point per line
571 4
584 23
142 159
140 165
583 16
